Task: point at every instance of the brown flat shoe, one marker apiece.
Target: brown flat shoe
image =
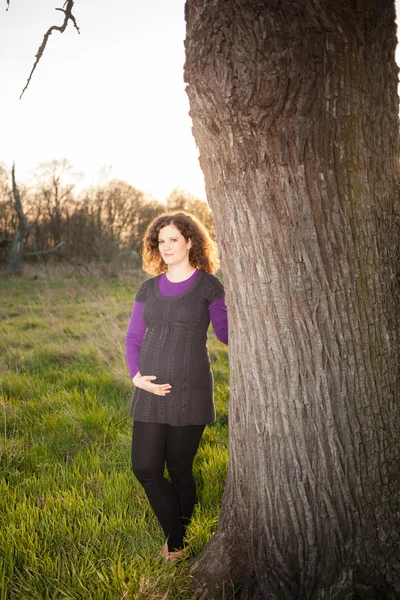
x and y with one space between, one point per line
177 555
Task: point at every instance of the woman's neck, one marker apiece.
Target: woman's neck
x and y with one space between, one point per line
178 273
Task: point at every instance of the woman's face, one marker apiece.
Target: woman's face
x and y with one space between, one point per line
173 247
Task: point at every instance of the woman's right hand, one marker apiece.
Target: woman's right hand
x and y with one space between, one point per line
145 382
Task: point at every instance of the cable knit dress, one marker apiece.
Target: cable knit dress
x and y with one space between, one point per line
175 350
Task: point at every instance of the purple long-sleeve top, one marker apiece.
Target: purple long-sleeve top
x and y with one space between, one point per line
137 326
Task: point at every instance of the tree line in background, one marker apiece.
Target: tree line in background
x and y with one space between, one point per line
101 224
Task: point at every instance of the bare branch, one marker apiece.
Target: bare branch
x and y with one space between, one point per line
18 241
17 202
42 252
68 16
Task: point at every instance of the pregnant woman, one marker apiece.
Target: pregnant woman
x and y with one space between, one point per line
169 365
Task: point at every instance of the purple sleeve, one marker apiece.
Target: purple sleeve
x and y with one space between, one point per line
219 319
134 338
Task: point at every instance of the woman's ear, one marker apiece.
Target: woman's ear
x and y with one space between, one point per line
189 243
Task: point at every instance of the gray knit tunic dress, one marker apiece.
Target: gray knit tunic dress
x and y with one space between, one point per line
175 350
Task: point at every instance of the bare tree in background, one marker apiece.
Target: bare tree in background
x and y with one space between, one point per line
101 224
55 195
17 248
7 213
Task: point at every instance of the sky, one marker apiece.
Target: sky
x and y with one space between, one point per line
111 100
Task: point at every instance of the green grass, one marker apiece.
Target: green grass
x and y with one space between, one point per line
74 522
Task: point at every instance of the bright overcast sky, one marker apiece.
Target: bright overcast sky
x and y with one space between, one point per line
111 97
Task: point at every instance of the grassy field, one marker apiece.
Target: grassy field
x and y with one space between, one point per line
74 523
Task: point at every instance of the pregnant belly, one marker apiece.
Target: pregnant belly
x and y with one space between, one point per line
180 372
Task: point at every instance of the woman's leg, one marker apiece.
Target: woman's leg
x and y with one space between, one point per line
181 448
148 459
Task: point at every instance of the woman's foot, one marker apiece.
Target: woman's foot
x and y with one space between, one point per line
176 555
171 556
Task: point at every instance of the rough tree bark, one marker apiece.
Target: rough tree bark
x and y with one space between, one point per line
295 112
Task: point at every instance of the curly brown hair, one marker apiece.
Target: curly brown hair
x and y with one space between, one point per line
203 253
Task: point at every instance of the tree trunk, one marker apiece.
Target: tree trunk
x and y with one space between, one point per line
295 112
16 254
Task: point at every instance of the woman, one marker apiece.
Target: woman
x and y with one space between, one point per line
169 364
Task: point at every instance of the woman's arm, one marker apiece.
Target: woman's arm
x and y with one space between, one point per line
134 338
133 343
219 319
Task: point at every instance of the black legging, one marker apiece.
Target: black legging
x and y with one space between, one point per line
153 445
